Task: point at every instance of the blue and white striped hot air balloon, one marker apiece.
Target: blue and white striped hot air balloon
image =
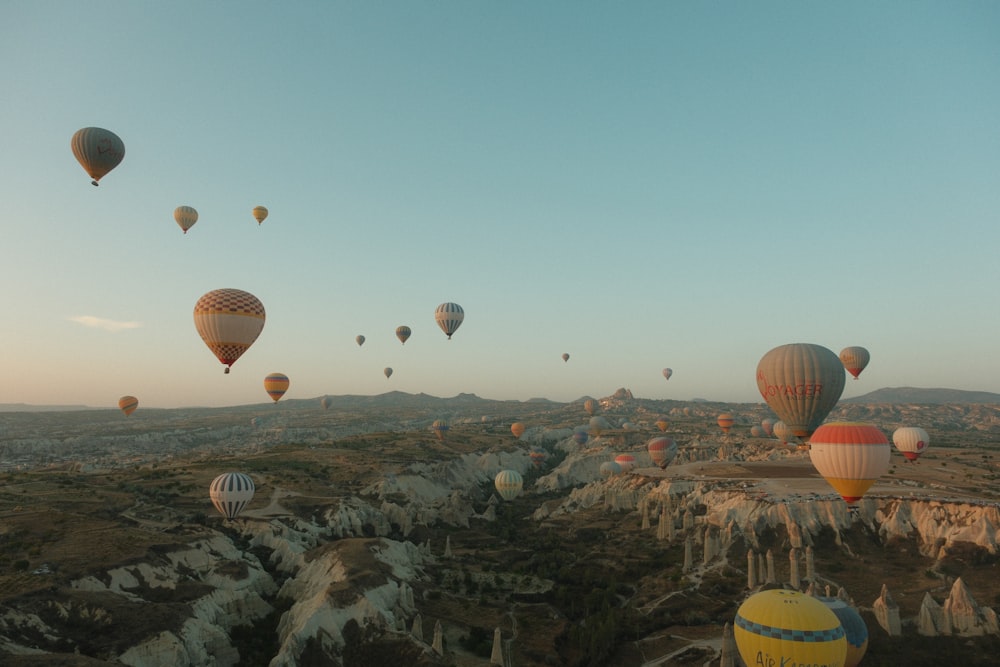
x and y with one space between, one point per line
231 492
509 484
449 317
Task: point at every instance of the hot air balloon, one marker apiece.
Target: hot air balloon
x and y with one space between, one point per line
517 428
360 340
231 492
756 431
768 426
855 629
537 458
782 627
801 383
590 405
626 461
259 214
565 356
276 384
725 422
185 217
667 372
97 150
784 433
229 321
449 317
387 372
128 404
402 333
326 402
440 427
850 456
854 359
509 484
662 450
598 425
662 423
911 441
610 468
580 435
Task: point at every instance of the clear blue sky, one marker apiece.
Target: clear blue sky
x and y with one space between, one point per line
639 184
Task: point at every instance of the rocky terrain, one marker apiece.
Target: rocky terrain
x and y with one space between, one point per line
370 541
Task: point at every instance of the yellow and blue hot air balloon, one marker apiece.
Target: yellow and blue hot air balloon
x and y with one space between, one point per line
781 627
449 316
854 626
276 384
97 150
231 492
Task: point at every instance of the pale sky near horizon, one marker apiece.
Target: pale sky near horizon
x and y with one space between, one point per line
640 184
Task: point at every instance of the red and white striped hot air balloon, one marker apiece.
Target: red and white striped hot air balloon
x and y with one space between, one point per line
855 359
850 456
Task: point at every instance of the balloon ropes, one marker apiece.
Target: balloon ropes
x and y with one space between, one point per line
97 150
449 317
229 321
231 492
801 383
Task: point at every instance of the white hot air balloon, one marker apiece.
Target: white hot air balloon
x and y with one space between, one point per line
231 492
509 484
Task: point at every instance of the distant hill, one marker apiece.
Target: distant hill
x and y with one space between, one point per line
24 407
924 395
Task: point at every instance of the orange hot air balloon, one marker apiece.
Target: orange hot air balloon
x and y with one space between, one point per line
854 359
259 214
801 383
626 461
402 333
726 422
591 406
537 458
850 456
518 429
128 404
662 424
97 150
276 384
662 450
229 321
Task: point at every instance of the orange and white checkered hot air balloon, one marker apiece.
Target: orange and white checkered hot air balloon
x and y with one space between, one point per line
854 359
229 321
276 384
850 456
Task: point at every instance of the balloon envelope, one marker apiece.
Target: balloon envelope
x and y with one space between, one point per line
768 426
662 450
440 427
402 333
509 484
609 468
185 216
854 359
590 405
801 382
667 372
449 317
326 402
911 441
626 461
231 492
782 627
662 423
387 372
229 321
725 422
855 629
276 384
128 404
517 428
565 356
259 214
580 435
850 456
360 340
97 150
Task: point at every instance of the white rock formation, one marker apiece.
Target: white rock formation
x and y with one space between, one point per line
887 613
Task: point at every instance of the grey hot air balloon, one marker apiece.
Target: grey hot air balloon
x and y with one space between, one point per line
801 382
97 150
